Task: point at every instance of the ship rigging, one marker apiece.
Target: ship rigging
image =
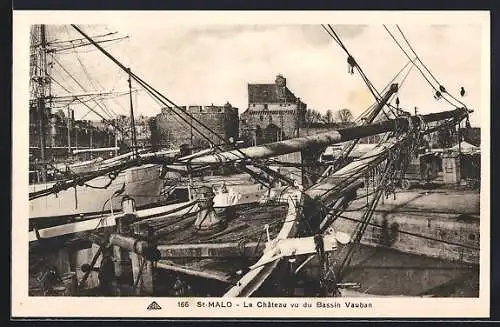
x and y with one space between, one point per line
313 205
53 101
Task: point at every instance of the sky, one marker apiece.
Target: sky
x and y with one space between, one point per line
205 64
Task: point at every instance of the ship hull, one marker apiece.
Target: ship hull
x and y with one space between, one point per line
143 184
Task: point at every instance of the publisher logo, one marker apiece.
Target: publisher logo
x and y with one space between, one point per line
154 306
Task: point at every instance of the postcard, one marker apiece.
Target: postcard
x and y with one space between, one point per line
211 164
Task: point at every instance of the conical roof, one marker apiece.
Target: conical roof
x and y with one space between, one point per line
465 147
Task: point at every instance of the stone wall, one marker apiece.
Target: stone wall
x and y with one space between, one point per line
277 124
173 131
440 230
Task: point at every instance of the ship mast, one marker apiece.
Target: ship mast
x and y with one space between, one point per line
41 98
132 120
41 89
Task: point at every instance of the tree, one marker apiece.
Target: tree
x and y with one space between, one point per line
344 116
312 116
328 117
122 122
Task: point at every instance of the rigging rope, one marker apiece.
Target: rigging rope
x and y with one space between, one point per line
419 69
89 77
370 85
85 70
360 229
442 89
164 100
353 62
373 90
77 39
390 169
81 86
155 93
80 180
86 105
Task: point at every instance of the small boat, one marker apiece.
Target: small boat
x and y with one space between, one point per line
100 194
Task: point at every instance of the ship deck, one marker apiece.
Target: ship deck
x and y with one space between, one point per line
247 225
380 270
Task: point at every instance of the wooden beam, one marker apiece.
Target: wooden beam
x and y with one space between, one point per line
254 278
91 224
206 273
211 250
323 139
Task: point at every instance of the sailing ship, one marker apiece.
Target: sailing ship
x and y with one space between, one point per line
142 182
246 241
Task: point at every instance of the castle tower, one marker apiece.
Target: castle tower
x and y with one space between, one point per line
274 112
280 80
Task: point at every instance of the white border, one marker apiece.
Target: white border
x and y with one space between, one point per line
23 306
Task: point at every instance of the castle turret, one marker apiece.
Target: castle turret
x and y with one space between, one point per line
280 80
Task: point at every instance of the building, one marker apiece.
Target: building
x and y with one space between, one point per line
142 131
63 133
170 131
273 113
471 135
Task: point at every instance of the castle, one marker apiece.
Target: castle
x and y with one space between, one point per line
171 131
274 113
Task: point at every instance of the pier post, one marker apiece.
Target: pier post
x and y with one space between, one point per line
85 257
147 278
122 226
142 271
138 250
118 256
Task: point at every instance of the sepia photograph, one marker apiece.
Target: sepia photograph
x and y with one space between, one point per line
334 162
